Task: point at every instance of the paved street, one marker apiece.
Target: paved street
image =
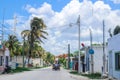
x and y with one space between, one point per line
40 74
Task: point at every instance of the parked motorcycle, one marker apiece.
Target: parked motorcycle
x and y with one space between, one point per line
7 69
56 66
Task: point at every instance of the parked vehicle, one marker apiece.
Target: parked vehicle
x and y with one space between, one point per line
7 69
56 66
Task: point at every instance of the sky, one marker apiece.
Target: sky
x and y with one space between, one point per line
58 15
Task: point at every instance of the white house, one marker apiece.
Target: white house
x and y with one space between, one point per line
97 59
1 60
4 58
114 56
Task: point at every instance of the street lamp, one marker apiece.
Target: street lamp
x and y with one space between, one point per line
79 56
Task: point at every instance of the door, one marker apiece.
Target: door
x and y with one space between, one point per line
6 60
110 64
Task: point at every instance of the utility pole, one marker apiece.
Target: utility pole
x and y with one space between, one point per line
79 57
68 56
23 50
92 62
15 22
3 27
104 60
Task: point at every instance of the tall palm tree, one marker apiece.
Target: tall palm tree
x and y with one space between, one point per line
36 33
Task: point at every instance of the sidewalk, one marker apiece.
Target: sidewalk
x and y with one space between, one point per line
79 77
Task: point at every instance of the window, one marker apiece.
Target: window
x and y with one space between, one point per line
1 58
117 61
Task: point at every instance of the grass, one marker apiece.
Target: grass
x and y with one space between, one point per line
74 72
20 69
90 76
93 75
65 68
36 67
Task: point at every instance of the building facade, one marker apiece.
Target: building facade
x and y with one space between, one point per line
97 59
114 56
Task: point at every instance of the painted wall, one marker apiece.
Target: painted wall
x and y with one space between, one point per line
113 47
97 58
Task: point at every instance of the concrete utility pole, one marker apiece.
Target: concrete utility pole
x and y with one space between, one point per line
3 27
68 56
15 22
79 58
23 50
92 62
104 60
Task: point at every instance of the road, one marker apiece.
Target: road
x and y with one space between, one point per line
39 74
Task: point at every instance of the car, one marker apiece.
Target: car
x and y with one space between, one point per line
56 66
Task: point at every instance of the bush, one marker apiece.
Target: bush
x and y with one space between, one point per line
74 72
93 75
19 69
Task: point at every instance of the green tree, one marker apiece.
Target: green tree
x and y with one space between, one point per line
116 30
36 33
49 57
110 33
12 44
25 35
18 49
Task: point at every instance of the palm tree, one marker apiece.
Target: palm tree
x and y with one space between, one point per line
25 35
38 52
36 33
116 30
110 33
11 43
18 49
49 57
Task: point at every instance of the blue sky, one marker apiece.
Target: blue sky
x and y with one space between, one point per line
57 15
15 6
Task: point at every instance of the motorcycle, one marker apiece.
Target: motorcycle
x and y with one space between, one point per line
7 69
56 66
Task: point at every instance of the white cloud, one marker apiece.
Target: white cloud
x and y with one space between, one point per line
116 1
58 33
58 23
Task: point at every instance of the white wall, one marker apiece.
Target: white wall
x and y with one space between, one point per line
98 58
113 47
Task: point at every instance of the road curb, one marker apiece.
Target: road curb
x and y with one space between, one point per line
78 77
